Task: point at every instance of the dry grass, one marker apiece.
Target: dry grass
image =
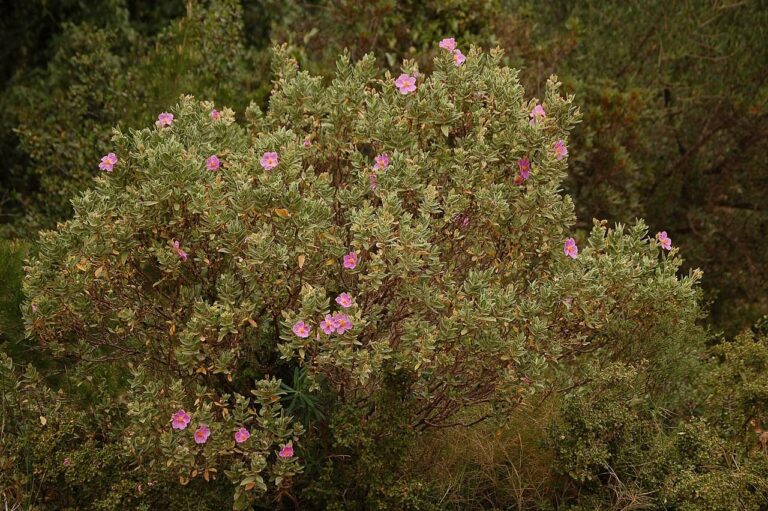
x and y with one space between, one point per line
491 465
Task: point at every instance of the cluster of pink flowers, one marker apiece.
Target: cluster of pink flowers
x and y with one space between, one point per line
164 119
338 323
664 240
449 44
270 160
179 252
181 419
350 261
524 170
215 115
107 162
560 150
570 248
405 83
212 163
537 114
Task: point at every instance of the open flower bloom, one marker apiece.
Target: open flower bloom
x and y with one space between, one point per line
405 83
215 115
307 142
537 114
180 419
179 252
664 240
345 300
107 162
286 451
301 329
212 163
164 119
560 150
350 261
382 161
328 325
342 322
269 160
570 248
458 58
202 433
448 44
241 435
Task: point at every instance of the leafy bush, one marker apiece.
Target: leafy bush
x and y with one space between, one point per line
383 238
12 255
618 450
55 454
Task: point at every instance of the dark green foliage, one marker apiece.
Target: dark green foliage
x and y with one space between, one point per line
107 74
617 449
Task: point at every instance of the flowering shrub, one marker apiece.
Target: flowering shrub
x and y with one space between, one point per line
448 287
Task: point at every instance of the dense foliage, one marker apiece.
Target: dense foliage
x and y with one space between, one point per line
206 257
360 282
676 122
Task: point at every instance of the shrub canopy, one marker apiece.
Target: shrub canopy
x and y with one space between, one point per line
212 281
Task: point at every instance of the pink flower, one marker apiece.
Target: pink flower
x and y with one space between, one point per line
462 221
301 329
164 119
537 114
345 300
241 435
215 115
212 163
179 252
180 419
570 248
525 167
307 142
664 240
350 260
34 307
448 44
524 171
560 150
270 160
342 322
405 83
107 162
201 434
286 451
382 162
458 58
374 180
328 325
67 462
